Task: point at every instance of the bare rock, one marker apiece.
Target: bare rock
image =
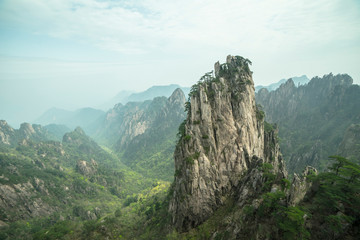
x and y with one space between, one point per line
21 201
300 186
222 144
85 168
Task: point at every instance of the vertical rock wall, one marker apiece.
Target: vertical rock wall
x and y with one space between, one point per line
222 135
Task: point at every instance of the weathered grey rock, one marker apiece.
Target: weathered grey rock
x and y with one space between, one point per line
90 215
40 186
86 168
300 186
6 132
21 201
222 143
10 136
27 130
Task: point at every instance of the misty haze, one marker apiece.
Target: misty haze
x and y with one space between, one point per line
179 119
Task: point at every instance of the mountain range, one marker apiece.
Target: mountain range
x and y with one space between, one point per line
312 118
302 80
225 163
87 118
149 94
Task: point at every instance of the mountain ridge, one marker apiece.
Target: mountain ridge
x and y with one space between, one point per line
302 80
311 117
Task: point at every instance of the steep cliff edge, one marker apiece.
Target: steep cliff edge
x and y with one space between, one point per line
222 147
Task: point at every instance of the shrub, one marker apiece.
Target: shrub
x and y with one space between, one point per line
187 138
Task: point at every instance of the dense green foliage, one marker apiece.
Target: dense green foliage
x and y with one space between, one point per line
151 153
335 205
67 199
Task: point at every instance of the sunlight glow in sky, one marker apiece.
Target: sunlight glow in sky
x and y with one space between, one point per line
78 53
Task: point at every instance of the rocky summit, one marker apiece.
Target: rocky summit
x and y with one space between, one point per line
221 145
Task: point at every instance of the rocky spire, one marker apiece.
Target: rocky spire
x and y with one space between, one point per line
221 139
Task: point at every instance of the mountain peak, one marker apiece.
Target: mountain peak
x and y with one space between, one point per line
26 127
3 123
222 139
177 96
79 130
288 85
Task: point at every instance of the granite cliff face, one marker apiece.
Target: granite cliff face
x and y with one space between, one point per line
222 145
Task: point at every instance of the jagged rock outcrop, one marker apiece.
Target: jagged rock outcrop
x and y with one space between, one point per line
300 186
12 137
86 168
222 145
6 132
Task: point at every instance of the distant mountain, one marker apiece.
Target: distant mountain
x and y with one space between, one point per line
119 98
57 130
312 118
144 133
297 81
83 117
34 132
124 97
155 91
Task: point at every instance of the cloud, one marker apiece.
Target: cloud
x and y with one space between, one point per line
294 34
148 25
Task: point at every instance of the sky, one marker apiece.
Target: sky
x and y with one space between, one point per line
80 53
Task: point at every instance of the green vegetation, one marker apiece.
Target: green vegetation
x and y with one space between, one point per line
189 160
336 203
268 175
187 138
71 202
260 114
151 153
205 137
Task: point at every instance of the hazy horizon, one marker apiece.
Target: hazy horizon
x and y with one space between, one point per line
73 54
